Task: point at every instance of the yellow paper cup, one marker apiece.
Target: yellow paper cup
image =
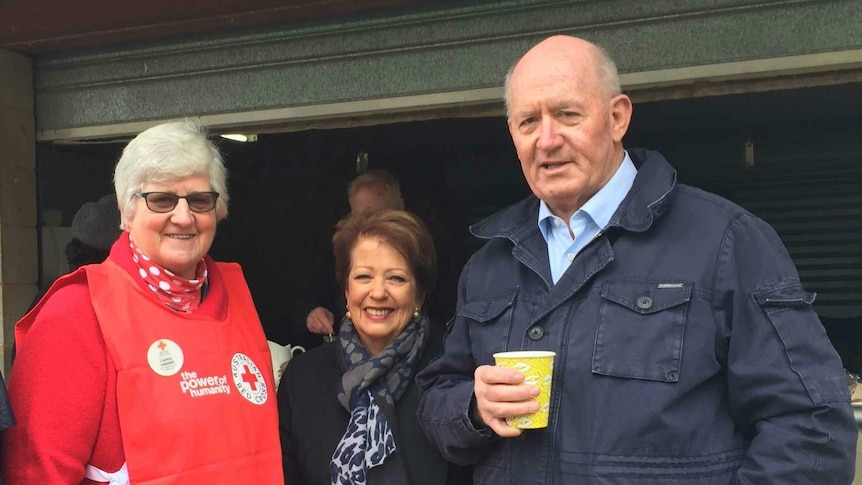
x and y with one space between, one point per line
538 369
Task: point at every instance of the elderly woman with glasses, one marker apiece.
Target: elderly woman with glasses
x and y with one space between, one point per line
151 367
348 408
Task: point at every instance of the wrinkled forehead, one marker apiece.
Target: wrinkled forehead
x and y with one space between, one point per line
554 88
196 182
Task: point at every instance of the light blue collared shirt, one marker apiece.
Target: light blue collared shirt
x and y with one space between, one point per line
586 223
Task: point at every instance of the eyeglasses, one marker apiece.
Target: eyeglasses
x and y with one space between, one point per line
163 202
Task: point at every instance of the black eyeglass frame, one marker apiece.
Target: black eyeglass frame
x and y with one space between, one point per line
176 198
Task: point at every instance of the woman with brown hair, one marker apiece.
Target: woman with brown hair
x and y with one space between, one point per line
347 409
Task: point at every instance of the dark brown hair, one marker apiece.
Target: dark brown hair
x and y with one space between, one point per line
401 230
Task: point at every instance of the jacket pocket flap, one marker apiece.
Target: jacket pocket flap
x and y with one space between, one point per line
488 307
647 296
793 294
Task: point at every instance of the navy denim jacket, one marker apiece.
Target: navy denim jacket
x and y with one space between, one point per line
687 351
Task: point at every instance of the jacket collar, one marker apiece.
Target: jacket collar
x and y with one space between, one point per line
647 200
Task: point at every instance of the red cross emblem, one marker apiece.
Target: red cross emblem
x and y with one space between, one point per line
162 346
249 378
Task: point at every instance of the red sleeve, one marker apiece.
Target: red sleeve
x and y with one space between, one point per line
57 388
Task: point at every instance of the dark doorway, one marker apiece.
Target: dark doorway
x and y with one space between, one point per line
288 189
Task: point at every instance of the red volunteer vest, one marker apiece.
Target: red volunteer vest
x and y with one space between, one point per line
195 396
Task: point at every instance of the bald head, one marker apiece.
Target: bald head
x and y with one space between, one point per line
568 50
567 120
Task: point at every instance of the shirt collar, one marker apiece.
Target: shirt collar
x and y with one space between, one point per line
601 206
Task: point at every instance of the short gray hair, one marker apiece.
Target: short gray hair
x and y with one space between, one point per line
166 153
373 177
606 70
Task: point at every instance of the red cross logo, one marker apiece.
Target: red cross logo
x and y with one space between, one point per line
249 378
162 346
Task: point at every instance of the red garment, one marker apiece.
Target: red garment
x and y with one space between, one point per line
63 386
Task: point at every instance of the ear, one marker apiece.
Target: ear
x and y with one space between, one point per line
510 125
126 216
621 116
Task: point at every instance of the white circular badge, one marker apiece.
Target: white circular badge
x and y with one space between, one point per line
165 357
248 379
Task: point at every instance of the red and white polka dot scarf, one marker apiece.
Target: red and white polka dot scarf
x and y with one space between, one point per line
176 292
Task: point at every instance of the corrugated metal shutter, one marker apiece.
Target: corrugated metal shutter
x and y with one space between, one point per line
820 222
814 202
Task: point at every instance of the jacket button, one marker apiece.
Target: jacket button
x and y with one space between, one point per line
536 332
644 303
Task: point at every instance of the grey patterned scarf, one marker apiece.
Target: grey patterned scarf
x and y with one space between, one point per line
372 381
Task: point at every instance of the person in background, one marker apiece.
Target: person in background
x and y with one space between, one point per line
157 354
371 190
687 350
7 418
347 411
95 228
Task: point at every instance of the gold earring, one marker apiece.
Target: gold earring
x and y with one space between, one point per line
348 312
416 313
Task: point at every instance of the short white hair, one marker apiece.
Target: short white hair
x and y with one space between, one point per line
607 72
169 152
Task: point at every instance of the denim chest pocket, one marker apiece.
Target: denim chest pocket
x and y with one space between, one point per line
490 320
641 329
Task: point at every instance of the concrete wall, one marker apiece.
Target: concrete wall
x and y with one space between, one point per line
18 242
857 480
430 59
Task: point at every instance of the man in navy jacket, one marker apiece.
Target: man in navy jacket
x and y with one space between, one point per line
687 348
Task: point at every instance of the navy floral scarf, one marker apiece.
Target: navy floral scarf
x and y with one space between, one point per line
370 384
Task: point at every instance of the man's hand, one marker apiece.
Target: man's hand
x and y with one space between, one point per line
500 394
320 320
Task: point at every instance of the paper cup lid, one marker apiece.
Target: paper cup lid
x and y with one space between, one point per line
524 354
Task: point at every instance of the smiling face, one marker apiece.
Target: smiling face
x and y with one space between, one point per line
175 240
381 292
566 127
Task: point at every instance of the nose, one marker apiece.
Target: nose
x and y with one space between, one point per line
182 214
378 289
549 135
